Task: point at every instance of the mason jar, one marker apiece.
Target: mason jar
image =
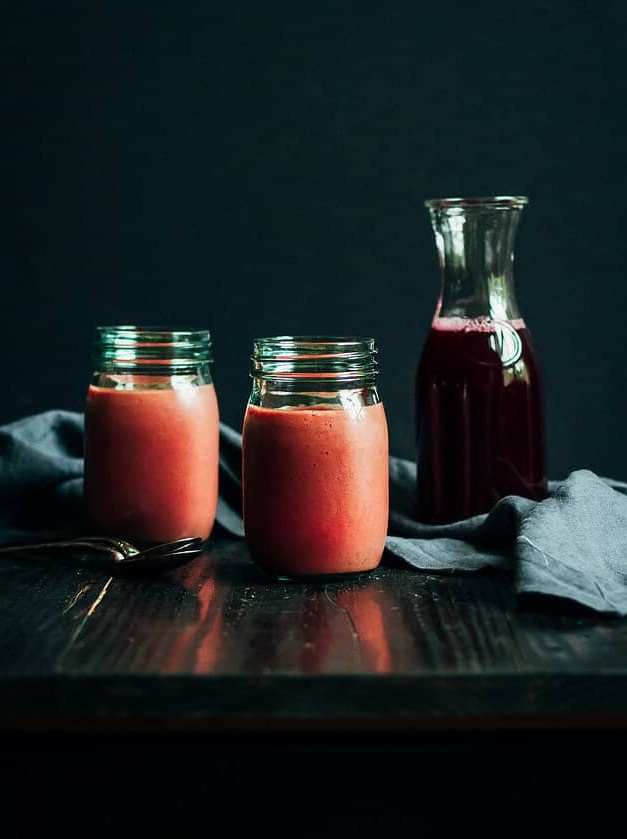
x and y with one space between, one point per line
315 466
151 434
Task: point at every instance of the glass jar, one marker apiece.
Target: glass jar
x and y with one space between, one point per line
480 427
315 469
151 434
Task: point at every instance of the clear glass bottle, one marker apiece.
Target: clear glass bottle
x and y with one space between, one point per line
152 434
480 426
315 457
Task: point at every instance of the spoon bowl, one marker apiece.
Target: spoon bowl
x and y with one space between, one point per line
119 556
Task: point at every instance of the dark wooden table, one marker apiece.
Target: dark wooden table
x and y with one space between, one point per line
390 690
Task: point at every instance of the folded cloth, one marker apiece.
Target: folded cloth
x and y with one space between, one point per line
572 545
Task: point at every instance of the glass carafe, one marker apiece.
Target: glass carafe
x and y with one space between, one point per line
480 426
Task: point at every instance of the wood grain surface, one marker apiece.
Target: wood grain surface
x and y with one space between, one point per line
217 644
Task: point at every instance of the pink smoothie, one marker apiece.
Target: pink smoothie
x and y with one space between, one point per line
315 488
151 461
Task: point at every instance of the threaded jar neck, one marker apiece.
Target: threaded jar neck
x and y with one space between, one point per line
151 350
315 359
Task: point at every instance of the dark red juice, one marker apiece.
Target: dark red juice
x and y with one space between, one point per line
480 418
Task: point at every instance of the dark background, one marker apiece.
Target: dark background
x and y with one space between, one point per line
260 168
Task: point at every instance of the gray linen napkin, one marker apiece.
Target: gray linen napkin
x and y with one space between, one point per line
572 545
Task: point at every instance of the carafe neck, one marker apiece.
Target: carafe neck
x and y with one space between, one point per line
475 242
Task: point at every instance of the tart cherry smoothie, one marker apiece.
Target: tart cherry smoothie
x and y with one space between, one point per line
481 418
480 432
315 458
152 435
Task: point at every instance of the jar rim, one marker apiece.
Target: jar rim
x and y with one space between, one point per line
314 340
490 201
155 349
129 330
315 358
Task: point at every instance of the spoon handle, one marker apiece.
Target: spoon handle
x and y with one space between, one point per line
62 545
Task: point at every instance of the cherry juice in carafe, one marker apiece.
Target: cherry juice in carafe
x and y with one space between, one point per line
480 427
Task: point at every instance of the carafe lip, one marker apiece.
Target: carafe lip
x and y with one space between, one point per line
490 201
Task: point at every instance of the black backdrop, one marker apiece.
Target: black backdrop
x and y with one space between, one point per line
260 168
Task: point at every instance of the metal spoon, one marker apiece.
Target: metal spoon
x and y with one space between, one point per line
119 556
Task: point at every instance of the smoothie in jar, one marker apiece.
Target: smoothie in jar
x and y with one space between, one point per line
315 475
151 461
152 435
